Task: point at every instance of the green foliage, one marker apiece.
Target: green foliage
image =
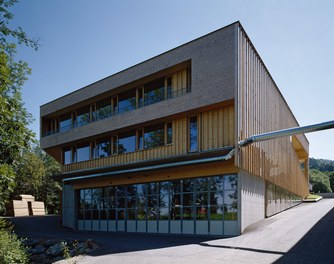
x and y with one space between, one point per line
331 179
34 176
15 137
7 184
321 164
12 250
319 181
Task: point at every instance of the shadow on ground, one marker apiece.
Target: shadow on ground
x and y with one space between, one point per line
317 246
111 242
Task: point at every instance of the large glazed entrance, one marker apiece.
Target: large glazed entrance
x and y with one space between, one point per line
203 206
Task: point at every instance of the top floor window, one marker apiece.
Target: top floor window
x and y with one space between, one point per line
65 122
166 87
127 101
103 109
154 92
83 116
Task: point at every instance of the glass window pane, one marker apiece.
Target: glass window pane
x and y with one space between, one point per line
67 158
169 87
188 199
188 213
65 123
121 214
202 213
103 149
154 136
231 197
154 92
131 214
188 185
216 213
95 214
175 186
169 133
231 182
163 213
201 184
163 194
88 214
112 214
141 213
175 213
127 142
193 134
217 198
83 116
83 153
230 213
103 109
202 198
217 183
127 101
103 214
152 213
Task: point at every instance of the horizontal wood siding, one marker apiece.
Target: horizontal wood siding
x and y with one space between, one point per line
261 108
214 132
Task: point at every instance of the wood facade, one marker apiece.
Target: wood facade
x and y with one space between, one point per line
261 108
215 131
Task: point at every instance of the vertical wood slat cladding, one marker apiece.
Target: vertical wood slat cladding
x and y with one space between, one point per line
214 132
261 108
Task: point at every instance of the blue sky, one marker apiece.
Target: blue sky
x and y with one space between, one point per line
82 41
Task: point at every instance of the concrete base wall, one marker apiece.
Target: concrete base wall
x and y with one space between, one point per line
68 216
252 199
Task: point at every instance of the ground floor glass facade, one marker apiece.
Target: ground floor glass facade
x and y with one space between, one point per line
207 205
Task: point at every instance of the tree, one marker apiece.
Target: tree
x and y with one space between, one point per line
14 118
331 179
320 182
34 176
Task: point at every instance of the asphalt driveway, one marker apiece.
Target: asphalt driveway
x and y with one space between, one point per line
303 234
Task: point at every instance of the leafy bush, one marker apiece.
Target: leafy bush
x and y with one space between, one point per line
12 250
320 182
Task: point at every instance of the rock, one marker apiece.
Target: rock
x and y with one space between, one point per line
55 250
30 242
49 242
37 250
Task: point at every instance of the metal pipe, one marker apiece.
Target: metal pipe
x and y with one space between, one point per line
286 132
228 156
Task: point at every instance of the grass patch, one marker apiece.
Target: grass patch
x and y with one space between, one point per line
313 196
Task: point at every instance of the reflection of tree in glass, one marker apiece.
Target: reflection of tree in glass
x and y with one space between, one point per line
163 194
232 182
97 201
154 96
154 138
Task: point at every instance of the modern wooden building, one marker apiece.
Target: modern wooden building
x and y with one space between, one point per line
154 148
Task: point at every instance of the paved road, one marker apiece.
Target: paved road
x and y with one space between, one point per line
304 234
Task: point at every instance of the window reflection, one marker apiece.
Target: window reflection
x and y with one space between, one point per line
154 136
193 134
127 101
154 92
127 142
187 199
83 153
103 109
83 116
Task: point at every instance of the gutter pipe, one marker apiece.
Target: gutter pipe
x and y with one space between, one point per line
229 155
286 132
